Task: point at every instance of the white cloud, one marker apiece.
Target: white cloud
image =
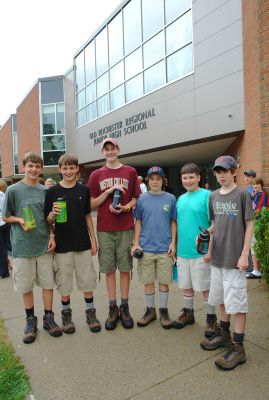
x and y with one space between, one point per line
39 39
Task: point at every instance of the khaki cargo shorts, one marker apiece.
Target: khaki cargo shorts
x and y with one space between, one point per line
229 287
79 262
155 267
30 270
193 273
114 251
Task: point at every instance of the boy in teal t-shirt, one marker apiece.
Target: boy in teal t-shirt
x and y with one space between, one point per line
193 268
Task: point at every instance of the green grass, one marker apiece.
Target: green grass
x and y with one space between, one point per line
14 383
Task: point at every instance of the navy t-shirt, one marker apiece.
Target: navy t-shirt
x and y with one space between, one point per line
156 211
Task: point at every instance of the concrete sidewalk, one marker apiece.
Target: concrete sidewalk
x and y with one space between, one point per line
143 363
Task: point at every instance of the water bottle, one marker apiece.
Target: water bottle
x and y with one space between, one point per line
62 217
203 241
138 253
116 198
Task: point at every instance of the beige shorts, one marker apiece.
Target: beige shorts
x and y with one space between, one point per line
193 273
229 287
30 270
155 267
253 241
79 261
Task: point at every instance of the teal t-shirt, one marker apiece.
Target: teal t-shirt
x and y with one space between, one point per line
33 243
192 212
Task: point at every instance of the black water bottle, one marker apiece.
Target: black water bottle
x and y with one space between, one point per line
116 198
138 254
203 241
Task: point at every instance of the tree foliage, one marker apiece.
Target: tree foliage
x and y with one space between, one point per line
261 246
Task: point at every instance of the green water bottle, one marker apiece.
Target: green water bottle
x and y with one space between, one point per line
62 217
28 217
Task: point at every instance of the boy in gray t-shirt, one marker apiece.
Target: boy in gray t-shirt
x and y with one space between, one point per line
231 215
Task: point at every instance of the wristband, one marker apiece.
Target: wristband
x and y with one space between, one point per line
128 209
52 235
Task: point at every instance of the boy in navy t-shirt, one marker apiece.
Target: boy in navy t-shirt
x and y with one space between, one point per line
155 234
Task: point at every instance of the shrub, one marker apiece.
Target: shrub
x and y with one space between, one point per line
261 247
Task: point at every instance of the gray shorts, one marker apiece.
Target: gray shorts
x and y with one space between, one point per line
193 273
229 287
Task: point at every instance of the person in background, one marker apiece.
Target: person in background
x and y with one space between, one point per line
207 187
41 180
4 235
143 187
250 175
259 201
49 183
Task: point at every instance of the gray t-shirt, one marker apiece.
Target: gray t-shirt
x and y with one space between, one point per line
229 213
33 243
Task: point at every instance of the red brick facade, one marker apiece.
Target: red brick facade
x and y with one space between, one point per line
7 149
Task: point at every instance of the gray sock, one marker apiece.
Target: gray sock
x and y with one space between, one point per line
65 305
89 303
150 299
188 302
163 298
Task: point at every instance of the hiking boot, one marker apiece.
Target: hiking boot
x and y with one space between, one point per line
219 339
30 329
234 356
211 325
165 319
185 318
68 325
148 317
125 317
50 325
92 321
112 319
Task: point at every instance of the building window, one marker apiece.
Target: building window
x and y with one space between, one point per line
145 46
15 144
53 133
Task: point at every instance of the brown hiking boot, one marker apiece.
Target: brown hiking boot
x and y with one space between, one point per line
234 356
68 325
50 325
211 325
185 318
92 321
165 319
219 339
112 318
30 330
149 316
125 317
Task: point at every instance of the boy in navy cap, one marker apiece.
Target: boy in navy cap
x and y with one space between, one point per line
250 176
232 226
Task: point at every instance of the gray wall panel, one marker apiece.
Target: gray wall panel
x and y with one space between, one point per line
202 8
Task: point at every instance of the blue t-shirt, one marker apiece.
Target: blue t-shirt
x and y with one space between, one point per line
156 211
192 212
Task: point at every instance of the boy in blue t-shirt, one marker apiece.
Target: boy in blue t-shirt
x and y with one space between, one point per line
193 268
155 234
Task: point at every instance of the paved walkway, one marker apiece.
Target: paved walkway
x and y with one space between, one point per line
141 364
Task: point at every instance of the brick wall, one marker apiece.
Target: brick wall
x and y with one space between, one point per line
6 149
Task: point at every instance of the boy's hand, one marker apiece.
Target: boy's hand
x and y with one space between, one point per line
171 250
51 244
242 264
207 257
22 224
94 248
111 190
134 247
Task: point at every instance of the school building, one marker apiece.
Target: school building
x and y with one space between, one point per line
174 81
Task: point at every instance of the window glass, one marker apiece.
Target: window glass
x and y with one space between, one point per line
48 120
134 88
154 77
60 118
115 40
54 142
174 8
80 81
101 52
116 75
15 142
52 157
152 17
91 112
179 33
133 64
103 105
117 97
102 85
179 63
132 26
80 100
14 123
153 50
90 62
90 93
81 117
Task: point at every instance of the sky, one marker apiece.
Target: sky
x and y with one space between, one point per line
39 38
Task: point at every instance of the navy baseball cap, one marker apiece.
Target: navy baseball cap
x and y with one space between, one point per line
226 162
250 172
156 170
